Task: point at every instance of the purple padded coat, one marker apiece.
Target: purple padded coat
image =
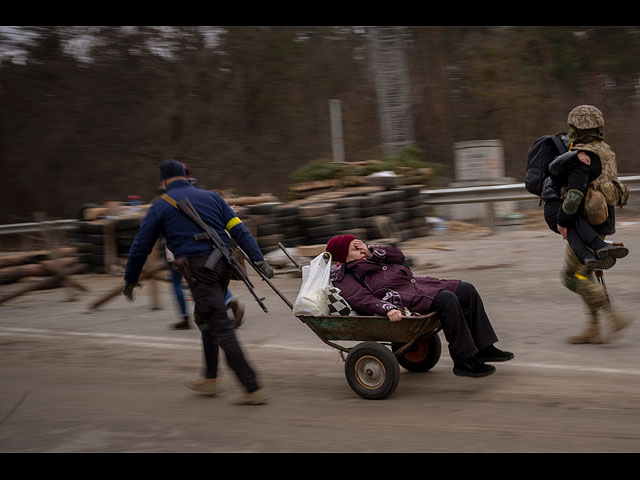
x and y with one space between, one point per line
373 287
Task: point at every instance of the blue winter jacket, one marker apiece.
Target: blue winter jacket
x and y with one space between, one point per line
178 230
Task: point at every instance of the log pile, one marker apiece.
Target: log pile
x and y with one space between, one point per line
31 271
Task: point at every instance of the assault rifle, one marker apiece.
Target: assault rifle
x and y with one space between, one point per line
220 248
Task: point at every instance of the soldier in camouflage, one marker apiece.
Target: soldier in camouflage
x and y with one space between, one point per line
585 134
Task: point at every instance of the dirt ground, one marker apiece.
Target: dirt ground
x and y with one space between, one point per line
111 380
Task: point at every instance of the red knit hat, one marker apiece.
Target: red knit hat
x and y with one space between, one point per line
338 247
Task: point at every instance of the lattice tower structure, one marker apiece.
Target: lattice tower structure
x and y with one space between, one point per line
390 68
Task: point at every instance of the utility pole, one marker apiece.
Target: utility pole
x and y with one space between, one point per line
337 141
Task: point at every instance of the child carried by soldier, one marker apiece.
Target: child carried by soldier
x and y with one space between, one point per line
588 165
570 176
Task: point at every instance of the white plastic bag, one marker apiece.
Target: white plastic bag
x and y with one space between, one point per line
312 298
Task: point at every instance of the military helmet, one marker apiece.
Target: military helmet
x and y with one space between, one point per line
585 117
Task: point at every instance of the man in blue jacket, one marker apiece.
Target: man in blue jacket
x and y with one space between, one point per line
208 283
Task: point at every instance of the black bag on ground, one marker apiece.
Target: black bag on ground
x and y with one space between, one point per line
538 160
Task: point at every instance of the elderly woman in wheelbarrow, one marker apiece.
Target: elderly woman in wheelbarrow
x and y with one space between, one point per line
375 281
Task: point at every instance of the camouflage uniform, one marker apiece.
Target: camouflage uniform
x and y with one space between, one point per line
586 121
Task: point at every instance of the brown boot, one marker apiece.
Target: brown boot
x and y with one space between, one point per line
205 386
591 334
617 321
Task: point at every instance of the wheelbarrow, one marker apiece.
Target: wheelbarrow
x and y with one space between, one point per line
372 366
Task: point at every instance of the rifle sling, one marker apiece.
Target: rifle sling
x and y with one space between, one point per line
215 255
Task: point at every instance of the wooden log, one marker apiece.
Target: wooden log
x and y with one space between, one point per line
242 201
44 268
23 258
45 283
147 274
56 268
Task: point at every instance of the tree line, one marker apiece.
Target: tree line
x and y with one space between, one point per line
88 113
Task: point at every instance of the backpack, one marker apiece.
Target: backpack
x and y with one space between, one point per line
538 163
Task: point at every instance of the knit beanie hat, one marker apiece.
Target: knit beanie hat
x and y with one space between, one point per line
338 247
171 168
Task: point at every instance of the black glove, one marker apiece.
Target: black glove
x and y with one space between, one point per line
128 290
265 268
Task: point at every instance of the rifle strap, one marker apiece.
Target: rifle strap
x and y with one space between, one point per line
174 204
170 200
216 254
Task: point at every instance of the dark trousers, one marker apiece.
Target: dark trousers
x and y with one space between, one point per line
579 177
465 323
209 291
580 234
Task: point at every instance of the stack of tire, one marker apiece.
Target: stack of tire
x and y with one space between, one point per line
351 221
89 239
126 229
319 222
287 219
263 222
389 203
315 220
414 225
358 212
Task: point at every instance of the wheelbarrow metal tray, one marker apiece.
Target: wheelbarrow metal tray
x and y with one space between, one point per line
371 328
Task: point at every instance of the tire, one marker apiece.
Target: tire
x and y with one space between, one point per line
93 228
372 371
422 356
124 224
268 229
322 231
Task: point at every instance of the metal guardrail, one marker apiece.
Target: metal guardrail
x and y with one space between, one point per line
442 196
31 227
496 193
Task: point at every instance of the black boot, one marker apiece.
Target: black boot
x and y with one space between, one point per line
493 354
183 325
601 263
472 367
612 251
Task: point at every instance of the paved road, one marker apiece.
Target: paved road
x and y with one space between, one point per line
111 380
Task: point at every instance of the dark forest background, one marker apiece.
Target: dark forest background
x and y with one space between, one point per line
87 113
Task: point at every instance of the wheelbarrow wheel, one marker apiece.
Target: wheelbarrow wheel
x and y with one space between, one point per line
422 356
372 371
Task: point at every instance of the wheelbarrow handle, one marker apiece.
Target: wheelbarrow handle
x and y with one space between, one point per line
264 277
290 257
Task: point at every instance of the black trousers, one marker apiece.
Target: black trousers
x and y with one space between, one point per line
580 234
579 177
465 323
209 289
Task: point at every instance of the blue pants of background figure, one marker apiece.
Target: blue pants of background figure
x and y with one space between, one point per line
176 280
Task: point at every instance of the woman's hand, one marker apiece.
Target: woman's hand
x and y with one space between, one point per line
359 244
394 315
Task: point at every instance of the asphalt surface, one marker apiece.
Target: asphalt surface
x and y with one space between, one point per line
111 380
